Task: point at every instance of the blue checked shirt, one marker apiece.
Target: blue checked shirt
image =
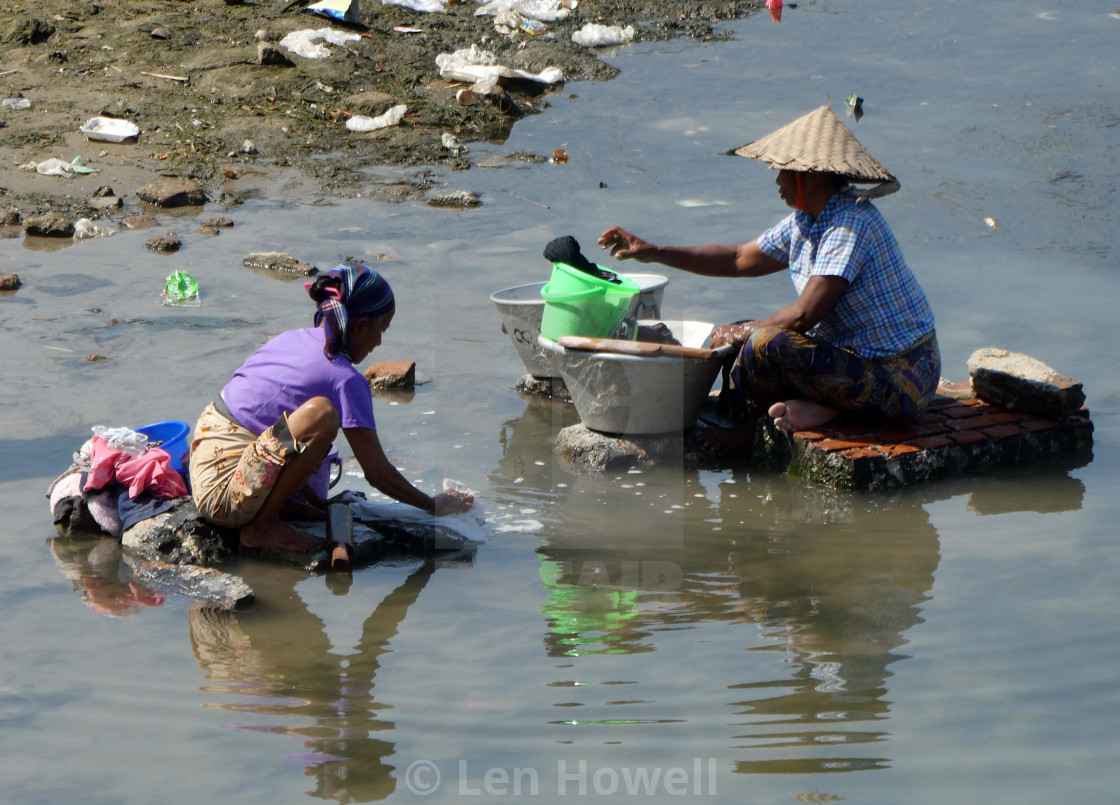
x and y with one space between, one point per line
883 311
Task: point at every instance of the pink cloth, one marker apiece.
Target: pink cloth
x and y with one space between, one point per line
151 471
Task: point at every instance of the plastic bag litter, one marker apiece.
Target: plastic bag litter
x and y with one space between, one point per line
341 10
78 165
383 121
125 439
426 6
542 10
16 103
510 22
181 290
452 143
52 167
597 36
84 229
303 43
474 64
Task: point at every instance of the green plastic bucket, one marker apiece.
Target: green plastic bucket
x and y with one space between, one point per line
577 303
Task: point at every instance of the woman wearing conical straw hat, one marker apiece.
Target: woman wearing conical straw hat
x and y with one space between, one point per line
860 337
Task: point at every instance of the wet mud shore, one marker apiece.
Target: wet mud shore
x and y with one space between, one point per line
189 74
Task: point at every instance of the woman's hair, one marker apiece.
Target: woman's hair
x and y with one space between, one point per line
323 287
351 291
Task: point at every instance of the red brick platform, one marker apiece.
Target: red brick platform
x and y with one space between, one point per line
958 434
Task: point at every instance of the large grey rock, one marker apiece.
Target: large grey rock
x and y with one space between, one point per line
278 263
180 536
164 243
583 448
27 31
543 387
1021 383
269 55
172 193
49 225
206 584
456 199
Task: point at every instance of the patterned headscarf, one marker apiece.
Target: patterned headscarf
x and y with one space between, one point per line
359 293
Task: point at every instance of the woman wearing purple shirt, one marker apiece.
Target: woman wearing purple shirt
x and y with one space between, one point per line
262 440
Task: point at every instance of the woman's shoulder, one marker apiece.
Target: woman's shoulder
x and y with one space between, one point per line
300 335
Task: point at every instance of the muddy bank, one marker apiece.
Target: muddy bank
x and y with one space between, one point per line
189 74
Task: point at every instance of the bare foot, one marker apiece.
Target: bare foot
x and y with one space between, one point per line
280 536
794 415
736 441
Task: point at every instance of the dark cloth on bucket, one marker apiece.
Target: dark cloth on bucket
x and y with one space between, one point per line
566 250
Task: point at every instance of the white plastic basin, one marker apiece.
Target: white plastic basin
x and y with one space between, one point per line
640 394
109 129
522 309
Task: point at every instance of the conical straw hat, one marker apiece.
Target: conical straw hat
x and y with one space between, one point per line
819 141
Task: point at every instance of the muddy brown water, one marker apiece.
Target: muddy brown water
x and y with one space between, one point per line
727 636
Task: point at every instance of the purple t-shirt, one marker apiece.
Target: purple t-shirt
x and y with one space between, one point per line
287 372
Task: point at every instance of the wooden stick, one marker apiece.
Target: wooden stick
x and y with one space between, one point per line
168 77
619 346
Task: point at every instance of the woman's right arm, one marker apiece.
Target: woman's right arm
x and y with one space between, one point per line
745 260
383 476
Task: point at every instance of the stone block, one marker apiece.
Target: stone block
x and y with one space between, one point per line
165 243
583 448
280 263
49 225
550 387
392 375
172 193
269 55
1021 383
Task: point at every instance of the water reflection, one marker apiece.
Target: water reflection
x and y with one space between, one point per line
98 575
827 589
44 244
526 470
277 663
827 583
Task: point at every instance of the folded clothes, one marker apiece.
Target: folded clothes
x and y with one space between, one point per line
150 472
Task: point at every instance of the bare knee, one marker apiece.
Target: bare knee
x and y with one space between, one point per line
315 420
766 345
